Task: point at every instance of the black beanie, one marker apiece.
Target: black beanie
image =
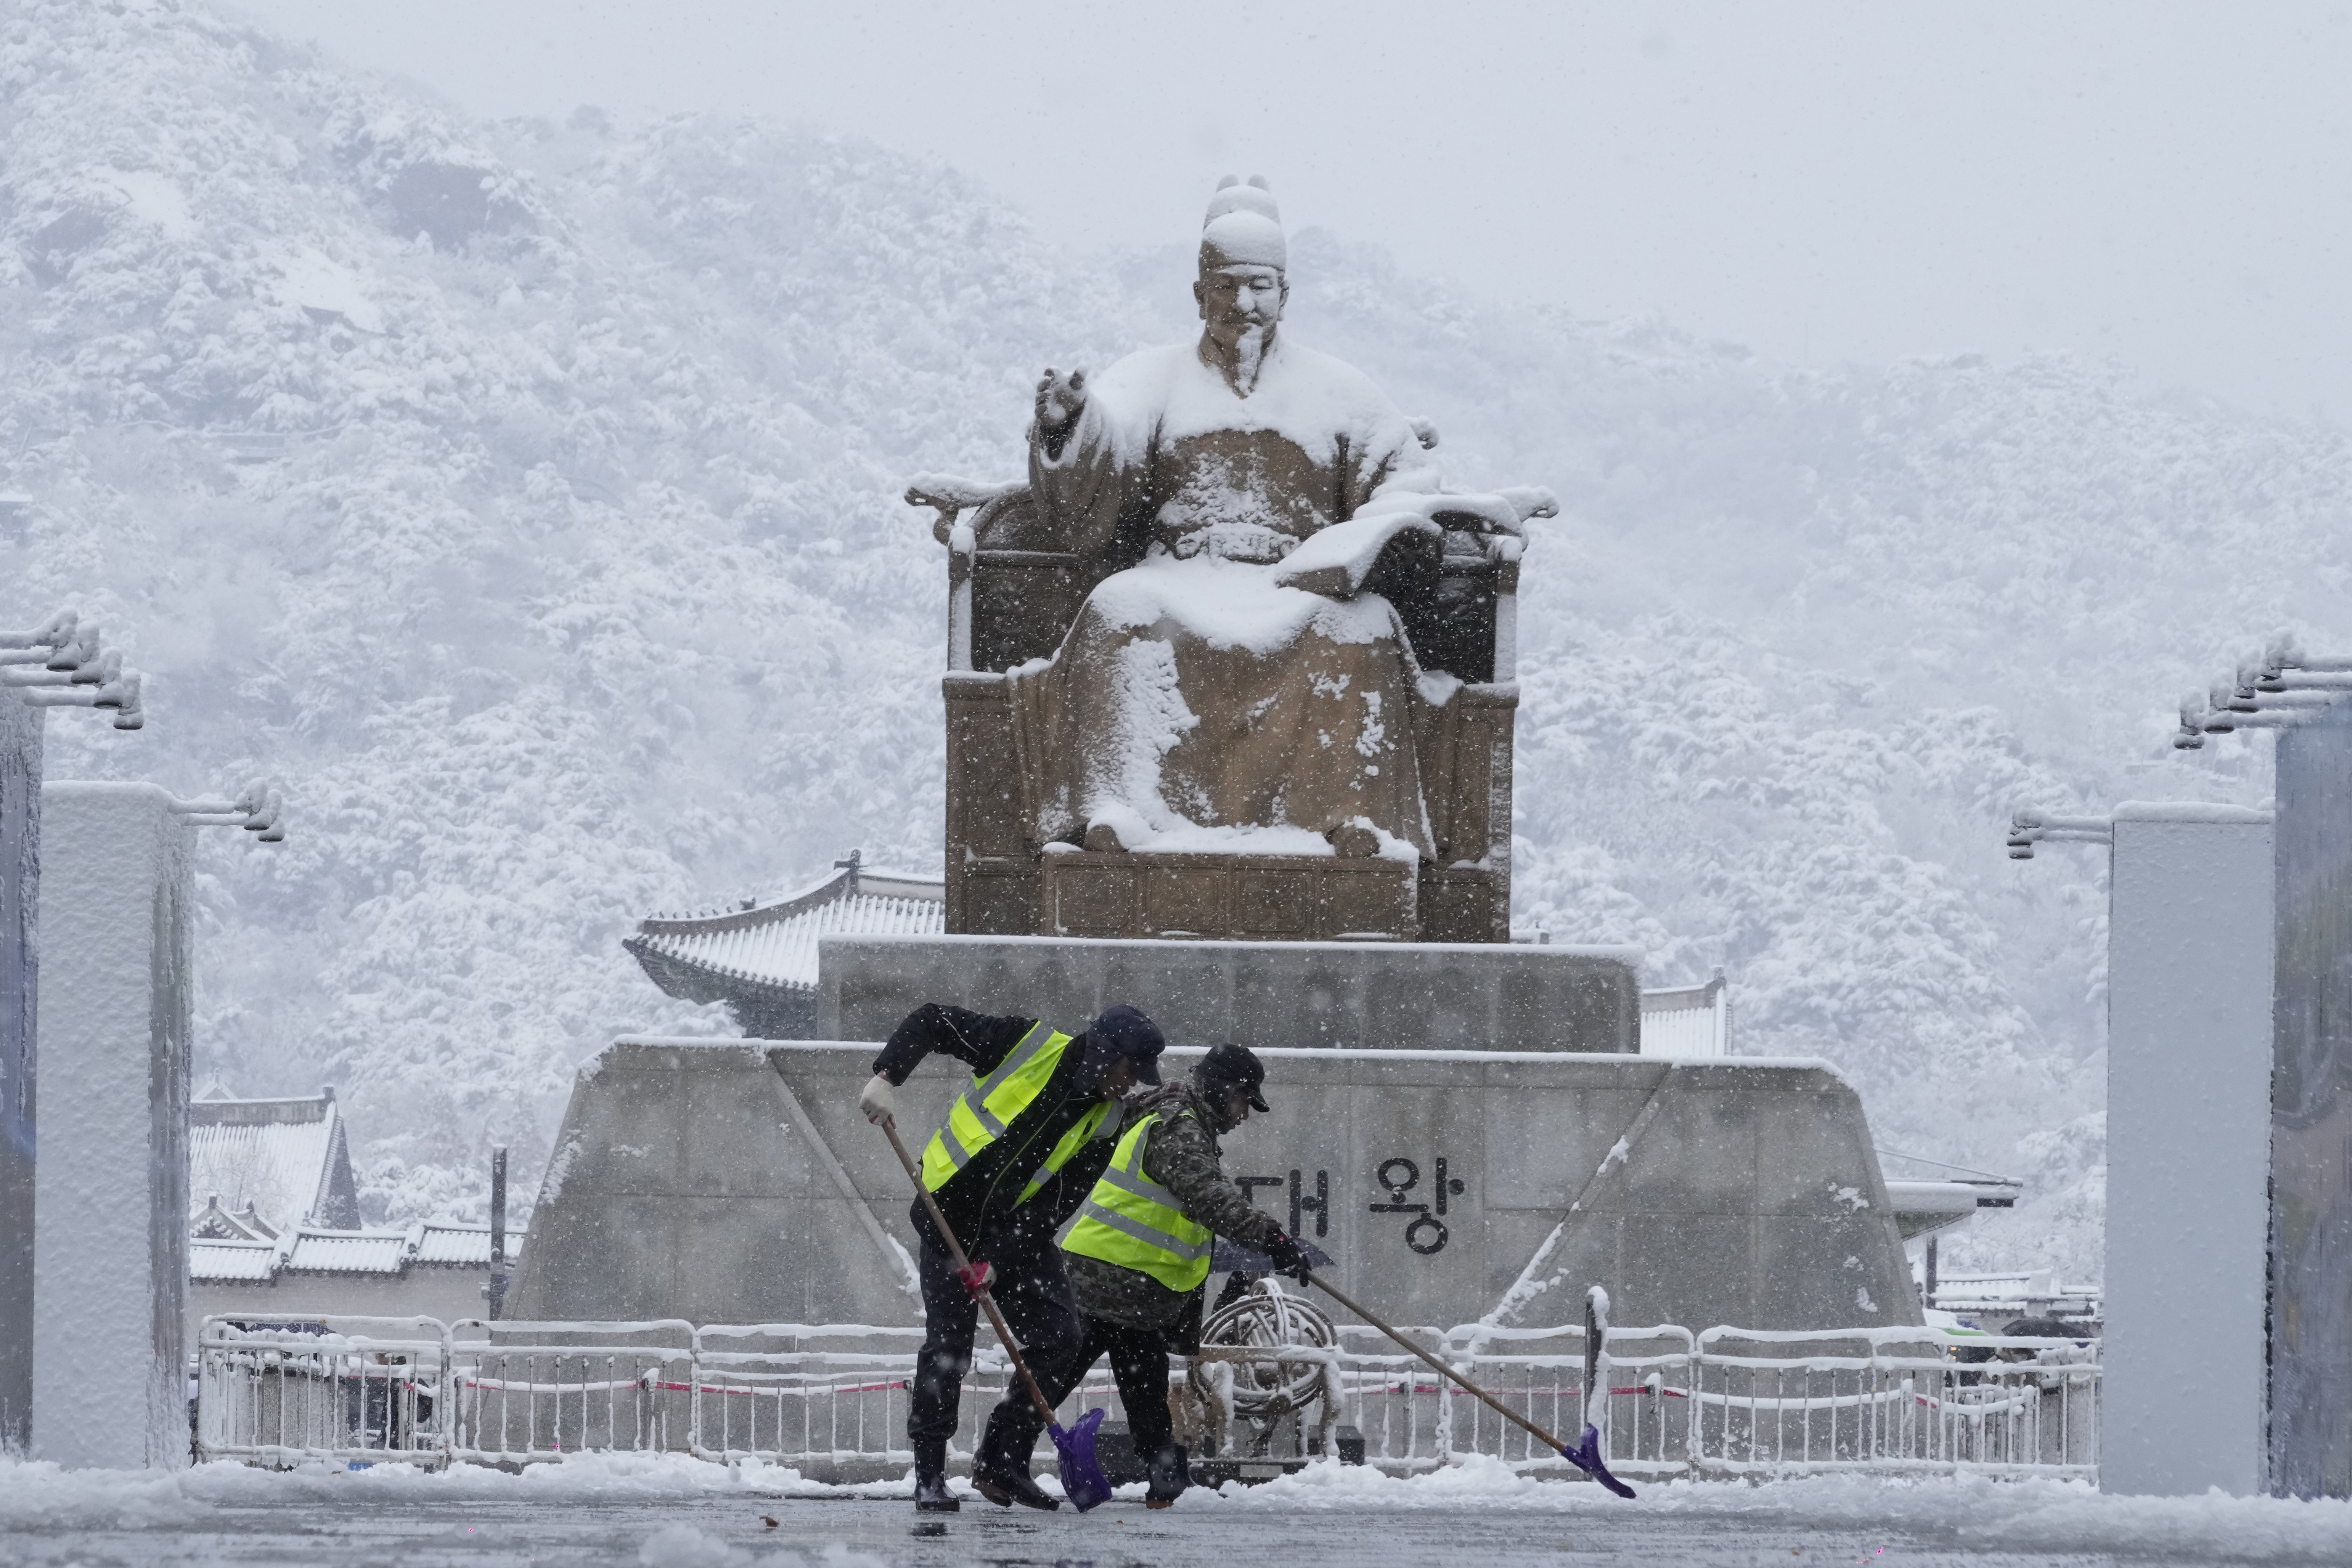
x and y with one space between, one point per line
1232 1066
1123 1031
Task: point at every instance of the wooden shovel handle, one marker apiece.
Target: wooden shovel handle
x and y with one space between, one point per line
1492 1403
955 1250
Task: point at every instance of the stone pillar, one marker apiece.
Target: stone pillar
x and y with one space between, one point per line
112 1207
2188 1127
20 881
2311 1116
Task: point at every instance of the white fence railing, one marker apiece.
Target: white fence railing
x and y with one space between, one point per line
831 1400
1689 1020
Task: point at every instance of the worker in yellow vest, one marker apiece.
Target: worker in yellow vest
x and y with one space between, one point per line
1139 1260
1019 1152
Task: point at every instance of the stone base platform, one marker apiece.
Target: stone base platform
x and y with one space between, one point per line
1284 898
1369 996
736 1182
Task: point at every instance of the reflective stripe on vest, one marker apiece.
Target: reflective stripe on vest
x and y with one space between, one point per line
1090 1126
982 1112
1133 1221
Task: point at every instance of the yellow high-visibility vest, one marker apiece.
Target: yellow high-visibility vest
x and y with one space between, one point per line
1133 1221
982 1112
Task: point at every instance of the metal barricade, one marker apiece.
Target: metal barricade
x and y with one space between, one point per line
334 1389
527 1391
1893 1399
831 1399
835 1395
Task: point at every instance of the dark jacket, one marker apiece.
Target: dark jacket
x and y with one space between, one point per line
1182 1156
981 1201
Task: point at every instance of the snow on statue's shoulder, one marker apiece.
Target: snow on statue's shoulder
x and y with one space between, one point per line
1303 396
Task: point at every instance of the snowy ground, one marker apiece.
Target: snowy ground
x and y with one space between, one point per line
675 1511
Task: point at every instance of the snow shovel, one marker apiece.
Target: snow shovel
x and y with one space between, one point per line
1082 1478
1585 1456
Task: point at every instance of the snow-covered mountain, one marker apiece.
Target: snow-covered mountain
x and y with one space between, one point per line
524 497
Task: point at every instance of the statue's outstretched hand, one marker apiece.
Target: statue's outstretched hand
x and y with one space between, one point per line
1531 501
1061 399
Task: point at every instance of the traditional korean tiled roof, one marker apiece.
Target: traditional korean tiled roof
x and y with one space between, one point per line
468 1246
378 1252
771 948
2024 1292
231 1263
346 1251
285 1158
214 1223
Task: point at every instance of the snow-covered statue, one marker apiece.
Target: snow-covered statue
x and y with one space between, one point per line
1240 627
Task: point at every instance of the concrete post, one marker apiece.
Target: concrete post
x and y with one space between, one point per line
110 1261
2311 1116
2188 1068
498 1286
20 882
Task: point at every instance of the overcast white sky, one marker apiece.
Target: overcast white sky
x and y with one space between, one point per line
2169 184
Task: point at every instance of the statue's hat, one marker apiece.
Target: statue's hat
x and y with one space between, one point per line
1244 228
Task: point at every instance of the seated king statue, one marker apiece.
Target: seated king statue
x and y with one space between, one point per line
1247 685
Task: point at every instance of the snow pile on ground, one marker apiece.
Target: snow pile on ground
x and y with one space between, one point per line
684 1546
606 1478
2042 1515
39 1495
1965 1511
525 497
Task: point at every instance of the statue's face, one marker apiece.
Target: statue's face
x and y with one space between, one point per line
1238 300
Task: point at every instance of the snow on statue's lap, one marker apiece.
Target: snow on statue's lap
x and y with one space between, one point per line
1233 604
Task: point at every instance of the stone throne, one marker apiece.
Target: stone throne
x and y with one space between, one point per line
1014 593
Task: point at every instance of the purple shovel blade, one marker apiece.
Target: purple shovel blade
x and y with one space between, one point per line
1083 1481
1586 1457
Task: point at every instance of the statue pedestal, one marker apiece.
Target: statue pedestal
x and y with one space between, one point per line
1363 995
735 1182
1283 898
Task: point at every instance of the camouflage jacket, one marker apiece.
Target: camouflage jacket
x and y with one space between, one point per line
1182 1156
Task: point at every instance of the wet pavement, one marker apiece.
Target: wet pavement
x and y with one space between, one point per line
1732 1526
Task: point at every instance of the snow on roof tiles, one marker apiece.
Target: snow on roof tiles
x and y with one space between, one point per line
446 1241
231 1263
348 1251
774 945
280 1156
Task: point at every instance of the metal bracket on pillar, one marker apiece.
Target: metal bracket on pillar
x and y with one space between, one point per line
257 809
2281 688
2027 828
59 664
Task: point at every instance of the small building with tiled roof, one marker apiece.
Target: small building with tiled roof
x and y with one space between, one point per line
278 1238
214 1223
760 958
433 1269
258 1167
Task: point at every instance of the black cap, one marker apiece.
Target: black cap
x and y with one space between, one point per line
1231 1066
1123 1031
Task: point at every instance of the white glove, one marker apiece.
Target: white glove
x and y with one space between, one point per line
879 1101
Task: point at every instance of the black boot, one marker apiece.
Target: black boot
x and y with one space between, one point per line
931 1494
999 1474
1005 1485
1167 1473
